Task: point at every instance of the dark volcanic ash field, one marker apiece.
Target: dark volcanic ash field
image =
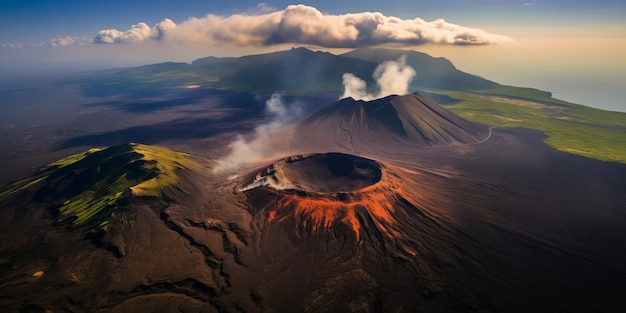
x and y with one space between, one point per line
392 205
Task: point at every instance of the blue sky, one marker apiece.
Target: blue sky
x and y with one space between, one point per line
36 20
555 45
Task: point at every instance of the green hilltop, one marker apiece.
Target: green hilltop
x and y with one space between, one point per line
87 187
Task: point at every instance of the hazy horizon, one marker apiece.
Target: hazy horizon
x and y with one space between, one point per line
573 50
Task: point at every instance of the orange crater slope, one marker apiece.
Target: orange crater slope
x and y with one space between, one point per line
324 193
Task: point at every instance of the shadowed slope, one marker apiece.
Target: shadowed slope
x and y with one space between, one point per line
424 119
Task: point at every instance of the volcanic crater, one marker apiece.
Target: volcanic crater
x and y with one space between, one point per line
319 173
324 192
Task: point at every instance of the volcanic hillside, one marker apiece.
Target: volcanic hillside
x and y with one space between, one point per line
398 206
412 120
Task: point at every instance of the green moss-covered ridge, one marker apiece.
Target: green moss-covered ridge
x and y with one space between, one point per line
87 187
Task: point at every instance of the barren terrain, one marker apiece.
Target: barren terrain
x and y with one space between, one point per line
371 214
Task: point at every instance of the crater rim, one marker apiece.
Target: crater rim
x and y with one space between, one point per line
319 173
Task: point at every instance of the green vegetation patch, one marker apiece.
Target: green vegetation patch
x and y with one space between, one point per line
166 162
87 187
21 185
73 158
570 127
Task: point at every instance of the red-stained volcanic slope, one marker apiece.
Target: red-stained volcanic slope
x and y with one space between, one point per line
327 191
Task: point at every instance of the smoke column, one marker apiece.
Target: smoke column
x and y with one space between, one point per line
246 152
392 78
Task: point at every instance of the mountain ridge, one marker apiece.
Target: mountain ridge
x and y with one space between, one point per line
87 187
294 71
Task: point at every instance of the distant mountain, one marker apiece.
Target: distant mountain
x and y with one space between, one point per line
298 70
211 60
437 73
294 71
158 68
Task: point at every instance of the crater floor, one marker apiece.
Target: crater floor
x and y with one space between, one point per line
320 173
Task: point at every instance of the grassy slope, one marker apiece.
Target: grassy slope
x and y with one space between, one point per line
88 186
570 127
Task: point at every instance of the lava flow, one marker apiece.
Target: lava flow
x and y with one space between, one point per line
325 193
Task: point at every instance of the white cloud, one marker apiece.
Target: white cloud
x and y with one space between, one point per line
54 42
69 40
264 26
301 24
136 33
261 8
392 78
13 45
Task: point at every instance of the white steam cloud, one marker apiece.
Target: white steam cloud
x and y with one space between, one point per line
136 33
301 24
247 152
54 42
392 78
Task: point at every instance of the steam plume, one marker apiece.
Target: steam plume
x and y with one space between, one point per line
247 152
392 78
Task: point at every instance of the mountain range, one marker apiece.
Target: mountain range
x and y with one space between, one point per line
294 71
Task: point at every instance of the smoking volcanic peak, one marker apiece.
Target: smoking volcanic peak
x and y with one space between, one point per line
389 123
